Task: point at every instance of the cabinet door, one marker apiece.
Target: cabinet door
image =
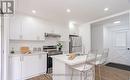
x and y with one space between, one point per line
29 30
15 28
43 64
15 68
30 66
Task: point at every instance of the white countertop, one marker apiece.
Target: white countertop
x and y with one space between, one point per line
76 60
33 53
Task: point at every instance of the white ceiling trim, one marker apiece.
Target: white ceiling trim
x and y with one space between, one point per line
108 17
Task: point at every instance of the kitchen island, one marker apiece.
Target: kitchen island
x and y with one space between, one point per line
62 67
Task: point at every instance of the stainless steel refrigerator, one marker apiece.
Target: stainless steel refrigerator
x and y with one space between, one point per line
75 43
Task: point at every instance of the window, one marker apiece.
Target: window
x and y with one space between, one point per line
119 39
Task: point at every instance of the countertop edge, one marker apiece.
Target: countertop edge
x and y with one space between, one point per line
69 62
33 53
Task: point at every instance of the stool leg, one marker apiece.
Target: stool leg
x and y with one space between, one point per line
93 72
99 68
72 75
85 76
80 75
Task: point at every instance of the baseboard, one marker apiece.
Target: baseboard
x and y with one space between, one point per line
119 66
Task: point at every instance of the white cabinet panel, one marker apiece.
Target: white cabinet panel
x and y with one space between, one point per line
30 65
24 67
23 28
43 64
15 28
29 31
15 68
59 70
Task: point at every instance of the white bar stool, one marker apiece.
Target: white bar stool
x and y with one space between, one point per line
102 59
87 66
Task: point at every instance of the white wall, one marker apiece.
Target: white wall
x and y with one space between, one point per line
0 51
39 24
106 37
97 37
85 33
102 38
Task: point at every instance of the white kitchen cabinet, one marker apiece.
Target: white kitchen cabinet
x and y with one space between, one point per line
32 31
23 67
42 64
15 28
30 65
73 29
28 31
15 66
22 28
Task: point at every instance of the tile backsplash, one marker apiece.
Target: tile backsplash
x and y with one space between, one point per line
16 44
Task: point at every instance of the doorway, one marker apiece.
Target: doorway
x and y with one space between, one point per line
113 33
119 46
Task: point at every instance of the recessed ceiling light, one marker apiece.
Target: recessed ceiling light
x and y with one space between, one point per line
117 22
68 10
106 9
34 11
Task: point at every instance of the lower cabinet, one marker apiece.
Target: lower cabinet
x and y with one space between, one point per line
15 65
25 67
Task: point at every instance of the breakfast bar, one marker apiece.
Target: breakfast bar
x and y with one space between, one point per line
65 70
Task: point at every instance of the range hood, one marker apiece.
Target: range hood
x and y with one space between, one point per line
52 35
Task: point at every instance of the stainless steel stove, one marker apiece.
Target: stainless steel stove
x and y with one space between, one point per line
51 51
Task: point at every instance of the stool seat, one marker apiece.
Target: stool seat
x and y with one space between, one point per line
83 67
97 62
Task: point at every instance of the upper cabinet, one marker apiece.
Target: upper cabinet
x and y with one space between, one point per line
15 28
23 27
26 28
31 30
73 28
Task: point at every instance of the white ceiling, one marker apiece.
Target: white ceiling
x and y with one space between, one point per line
81 10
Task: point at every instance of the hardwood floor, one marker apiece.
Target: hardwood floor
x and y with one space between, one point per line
107 73
42 77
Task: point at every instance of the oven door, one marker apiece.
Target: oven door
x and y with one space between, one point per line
49 63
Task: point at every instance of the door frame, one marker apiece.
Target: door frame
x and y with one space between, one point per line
4 45
0 48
